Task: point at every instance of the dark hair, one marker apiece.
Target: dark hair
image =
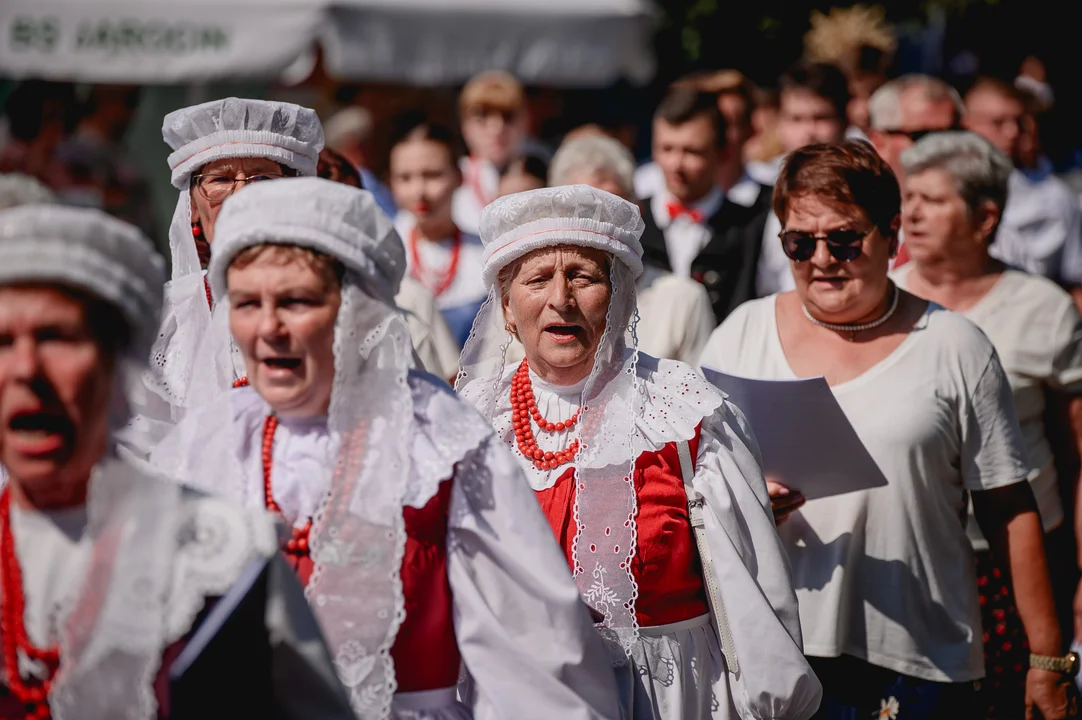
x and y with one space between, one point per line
415 125
334 166
824 80
997 85
528 164
681 104
847 173
37 103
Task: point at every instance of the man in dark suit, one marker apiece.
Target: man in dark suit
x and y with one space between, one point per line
692 228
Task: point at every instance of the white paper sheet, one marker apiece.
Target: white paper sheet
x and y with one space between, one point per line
806 440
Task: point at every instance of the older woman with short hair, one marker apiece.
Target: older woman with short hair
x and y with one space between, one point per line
886 576
675 315
955 190
108 571
649 478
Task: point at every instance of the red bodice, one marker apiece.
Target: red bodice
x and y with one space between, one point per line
425 651
666 563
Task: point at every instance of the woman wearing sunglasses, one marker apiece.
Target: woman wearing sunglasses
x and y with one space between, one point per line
886 577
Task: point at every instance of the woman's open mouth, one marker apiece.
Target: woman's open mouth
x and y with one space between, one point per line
563 333
281 366
39 432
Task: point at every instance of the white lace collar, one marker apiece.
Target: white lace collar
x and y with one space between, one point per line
674 399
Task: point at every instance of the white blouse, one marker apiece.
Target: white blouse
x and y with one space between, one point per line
887 575
1037 333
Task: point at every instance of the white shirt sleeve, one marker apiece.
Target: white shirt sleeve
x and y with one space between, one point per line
993 451
526 637
700 323
1066 375
752 569
432 339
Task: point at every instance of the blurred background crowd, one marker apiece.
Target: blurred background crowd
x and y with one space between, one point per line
592 65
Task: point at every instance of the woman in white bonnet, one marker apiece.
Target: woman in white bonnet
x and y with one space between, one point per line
420 544
108 571
626 453
219 147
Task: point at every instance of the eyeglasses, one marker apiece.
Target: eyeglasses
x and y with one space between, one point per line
218 187
843 245
916 135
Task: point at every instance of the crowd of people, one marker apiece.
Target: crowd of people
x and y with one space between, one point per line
452 413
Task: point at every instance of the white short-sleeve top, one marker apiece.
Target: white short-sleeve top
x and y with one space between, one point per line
1037 333
887 574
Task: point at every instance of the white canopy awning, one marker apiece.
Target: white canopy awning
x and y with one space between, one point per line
154 41
426 42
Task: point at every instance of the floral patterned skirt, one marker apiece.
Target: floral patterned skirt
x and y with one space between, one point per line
856 690
1006 652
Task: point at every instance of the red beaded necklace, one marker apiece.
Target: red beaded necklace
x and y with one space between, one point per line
298 544
452 270
13 628
523 409
206 286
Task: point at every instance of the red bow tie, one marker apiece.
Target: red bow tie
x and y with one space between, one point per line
675 210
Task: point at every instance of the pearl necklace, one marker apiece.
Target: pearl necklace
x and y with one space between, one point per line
854 329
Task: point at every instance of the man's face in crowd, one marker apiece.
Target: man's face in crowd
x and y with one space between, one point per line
920 116
688 154
807 118
997 117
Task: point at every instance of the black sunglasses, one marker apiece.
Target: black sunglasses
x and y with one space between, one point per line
843 245
916 135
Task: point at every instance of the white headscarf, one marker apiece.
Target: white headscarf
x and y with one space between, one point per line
153 559
358 534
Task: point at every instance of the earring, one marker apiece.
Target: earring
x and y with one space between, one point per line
509 329
197 230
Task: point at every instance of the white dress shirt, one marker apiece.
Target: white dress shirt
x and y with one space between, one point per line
1041 231
685 238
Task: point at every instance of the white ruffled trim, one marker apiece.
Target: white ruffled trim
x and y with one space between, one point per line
299 155
675 400
549 232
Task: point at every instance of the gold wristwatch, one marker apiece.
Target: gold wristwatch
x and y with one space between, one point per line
1066 665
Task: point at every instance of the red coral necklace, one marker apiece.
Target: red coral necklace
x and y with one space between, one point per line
13 626
523 411
297 545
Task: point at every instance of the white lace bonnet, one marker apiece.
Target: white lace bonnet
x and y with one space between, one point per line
322 215
90 251
516 225
358 535
232 128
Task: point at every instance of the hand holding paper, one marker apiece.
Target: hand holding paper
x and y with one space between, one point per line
805 439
